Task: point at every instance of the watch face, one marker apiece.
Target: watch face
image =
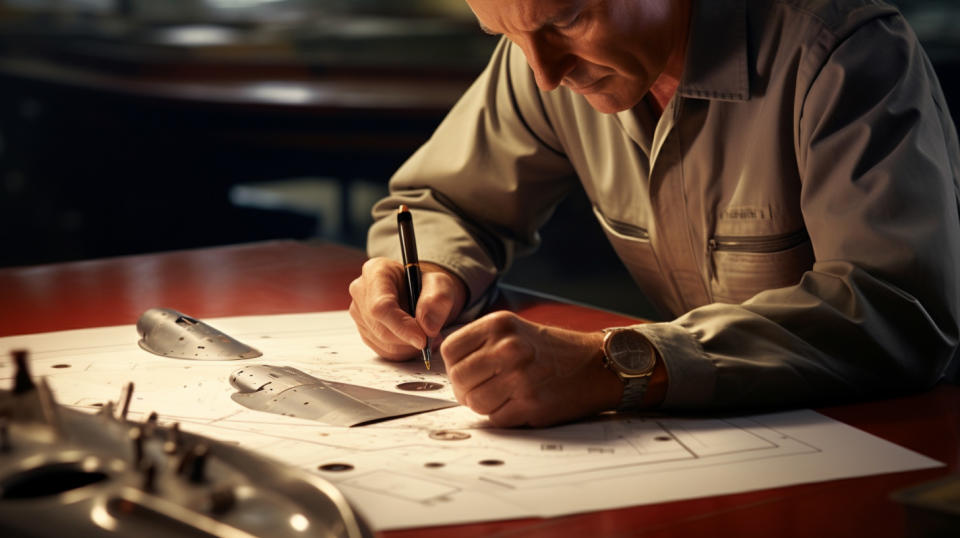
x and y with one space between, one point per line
630 352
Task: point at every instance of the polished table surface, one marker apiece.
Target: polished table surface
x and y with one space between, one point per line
287 277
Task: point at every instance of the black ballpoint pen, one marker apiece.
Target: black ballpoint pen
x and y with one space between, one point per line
411 268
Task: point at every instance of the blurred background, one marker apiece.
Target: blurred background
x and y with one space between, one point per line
133 126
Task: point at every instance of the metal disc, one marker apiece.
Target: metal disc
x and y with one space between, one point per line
419 386
449 435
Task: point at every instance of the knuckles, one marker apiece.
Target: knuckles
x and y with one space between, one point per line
456 375
513 349
382 306
355 287
501 323
372 266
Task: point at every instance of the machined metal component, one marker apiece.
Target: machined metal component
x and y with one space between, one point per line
102 475
291 392
169 333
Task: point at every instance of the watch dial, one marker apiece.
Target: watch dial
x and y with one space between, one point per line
631 352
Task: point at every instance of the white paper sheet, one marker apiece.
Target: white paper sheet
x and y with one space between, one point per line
449 466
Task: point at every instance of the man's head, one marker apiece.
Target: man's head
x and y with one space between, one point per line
611 51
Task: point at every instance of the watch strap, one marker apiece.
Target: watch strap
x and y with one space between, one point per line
634 388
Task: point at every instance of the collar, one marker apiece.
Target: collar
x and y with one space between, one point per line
716 63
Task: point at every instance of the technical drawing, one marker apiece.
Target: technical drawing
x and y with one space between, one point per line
450 465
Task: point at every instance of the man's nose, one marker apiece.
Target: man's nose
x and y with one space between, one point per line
549 60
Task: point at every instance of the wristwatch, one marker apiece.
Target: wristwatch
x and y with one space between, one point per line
632 357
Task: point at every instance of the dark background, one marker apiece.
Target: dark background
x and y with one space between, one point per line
141 126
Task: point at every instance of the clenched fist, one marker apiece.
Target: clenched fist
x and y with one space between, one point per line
523 373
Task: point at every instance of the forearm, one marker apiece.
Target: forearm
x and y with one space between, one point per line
830 338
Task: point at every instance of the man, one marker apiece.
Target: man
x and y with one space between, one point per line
780 174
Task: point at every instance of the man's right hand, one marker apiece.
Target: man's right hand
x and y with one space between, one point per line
379 301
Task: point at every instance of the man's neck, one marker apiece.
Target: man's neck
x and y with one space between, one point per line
662 91
667 83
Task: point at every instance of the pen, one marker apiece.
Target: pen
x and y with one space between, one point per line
411 268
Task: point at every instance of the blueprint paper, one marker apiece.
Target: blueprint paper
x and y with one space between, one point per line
449 466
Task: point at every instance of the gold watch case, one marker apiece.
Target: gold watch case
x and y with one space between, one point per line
628 353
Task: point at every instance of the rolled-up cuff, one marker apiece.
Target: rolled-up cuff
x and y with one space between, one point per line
691 375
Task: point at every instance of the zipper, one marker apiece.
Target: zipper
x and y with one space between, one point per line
761 245
623 228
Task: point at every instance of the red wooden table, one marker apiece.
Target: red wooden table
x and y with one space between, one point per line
288 277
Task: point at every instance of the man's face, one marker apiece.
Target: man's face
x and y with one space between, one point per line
611 51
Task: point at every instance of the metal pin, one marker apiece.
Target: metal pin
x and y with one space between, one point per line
136 437
49 406
193 463
22 382
172 444
150 425
125 395
4 434
199 463
107 410
149 477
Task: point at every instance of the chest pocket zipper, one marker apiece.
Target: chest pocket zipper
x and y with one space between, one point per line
628 230
764 244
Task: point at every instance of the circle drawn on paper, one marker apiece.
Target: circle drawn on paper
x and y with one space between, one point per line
419 386
336 467
449 435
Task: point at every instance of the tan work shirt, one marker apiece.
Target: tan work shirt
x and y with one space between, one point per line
796 204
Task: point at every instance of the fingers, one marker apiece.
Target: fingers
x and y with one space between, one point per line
442 297
377 311
379 301
488 361
383 285
494 328
435 303
386 348
521 373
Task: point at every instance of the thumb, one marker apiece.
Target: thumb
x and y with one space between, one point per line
441 300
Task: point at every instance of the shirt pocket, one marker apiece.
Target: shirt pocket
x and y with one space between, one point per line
742 266
632 245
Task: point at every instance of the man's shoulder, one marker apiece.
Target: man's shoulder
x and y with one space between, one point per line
836 16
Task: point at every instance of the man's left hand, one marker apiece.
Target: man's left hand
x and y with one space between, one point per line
523 373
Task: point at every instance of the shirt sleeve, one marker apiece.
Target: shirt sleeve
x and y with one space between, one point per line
878 312
483 184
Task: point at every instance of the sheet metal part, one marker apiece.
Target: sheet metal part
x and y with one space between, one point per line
291 392
65 472
169 333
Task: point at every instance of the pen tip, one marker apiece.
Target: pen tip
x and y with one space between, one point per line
403 208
